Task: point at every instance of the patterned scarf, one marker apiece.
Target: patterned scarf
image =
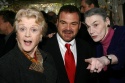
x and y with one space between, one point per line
37 64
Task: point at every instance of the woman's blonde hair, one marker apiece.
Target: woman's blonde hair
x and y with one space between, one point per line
31 13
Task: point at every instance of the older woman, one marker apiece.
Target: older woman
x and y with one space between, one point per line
112 64
26 63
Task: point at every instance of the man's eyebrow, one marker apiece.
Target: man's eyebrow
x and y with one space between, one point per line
61 21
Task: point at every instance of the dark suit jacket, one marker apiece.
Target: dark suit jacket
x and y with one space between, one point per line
2 42
116 73
8 45
83 34
14 68
84 51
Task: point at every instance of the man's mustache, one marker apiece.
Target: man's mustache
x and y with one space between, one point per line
67 31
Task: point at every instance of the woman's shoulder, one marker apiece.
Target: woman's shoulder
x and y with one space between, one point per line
119 28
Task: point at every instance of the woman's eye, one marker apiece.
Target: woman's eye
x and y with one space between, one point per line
87 26
95 25
22 29
34 30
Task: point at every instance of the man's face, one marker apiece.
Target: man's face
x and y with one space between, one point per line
68 25
2 26
85 7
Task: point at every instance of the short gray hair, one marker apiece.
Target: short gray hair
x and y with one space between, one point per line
96 11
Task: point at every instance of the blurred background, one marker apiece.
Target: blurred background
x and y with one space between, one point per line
115 8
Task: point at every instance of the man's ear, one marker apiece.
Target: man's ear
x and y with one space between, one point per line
79 25
57 23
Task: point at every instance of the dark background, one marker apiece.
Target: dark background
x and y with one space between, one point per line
124 13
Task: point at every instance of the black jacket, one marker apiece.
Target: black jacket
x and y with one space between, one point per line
84 51
8 45
14 68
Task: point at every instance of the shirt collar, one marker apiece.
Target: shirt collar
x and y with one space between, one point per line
63 42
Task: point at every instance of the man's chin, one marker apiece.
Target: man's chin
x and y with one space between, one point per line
67 39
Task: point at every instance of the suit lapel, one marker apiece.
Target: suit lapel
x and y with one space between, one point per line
81 71
79 60
59 62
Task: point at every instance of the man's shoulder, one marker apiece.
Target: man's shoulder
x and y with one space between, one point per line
54 38
83 42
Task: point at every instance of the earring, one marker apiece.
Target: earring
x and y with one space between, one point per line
108 25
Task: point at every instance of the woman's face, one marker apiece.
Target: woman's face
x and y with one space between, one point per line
97 27
28 34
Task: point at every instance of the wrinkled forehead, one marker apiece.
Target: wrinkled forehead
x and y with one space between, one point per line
25 17
93 18
96 16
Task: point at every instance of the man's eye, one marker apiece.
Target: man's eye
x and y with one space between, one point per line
74 23
62 22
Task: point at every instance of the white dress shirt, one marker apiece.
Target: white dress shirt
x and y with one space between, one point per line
63 48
